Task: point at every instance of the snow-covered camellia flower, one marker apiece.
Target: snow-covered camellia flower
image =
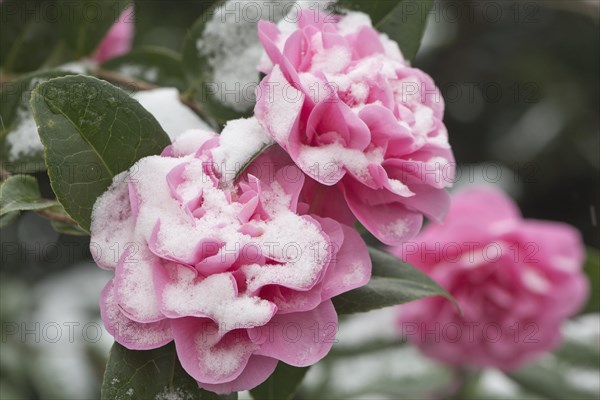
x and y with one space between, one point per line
236 274
353 115
516 281
118 39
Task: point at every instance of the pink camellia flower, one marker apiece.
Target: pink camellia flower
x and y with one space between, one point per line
236 274
118 39
356 118
516 281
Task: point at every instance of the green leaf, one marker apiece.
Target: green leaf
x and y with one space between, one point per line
28 35
579 354
150 374
367 346
20 146
21 193
548 382
281 385
592 269
68 229
393 282
88 22
91 132
60 221
156 65
402 20
8 218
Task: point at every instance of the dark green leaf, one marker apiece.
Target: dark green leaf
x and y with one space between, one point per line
152 22
18 133
150 374
592 269
21 193
88 21
402 20
281 385
393 282
91 132
156 65
28 34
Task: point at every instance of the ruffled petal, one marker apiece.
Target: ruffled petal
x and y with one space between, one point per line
206 355
298 339
257 370
131 334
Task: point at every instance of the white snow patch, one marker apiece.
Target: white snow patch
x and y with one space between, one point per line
230 44
324 158
240 140
24 139
149 74
174 116
352 22
112 223
222 360
189 142
174 394
397 228
215 296
77 67
283 105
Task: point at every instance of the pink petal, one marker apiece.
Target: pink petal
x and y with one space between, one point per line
257 371
291 180
131 334
118 39
351 267
392 223
278 107
133 285
333 115
327 201
489 204
384 128
268 34
298 339
367 43
208 357
291 300
432 202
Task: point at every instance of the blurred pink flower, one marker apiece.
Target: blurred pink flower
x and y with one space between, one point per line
358 120
118 39
516 281
237 275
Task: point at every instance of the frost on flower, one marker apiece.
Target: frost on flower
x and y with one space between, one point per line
358 120
238 274
516 281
